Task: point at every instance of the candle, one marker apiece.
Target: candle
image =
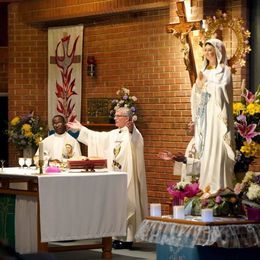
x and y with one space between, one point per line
41 150
207 215
204 25
155 209
178 212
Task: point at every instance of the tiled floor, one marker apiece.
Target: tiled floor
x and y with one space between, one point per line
139 251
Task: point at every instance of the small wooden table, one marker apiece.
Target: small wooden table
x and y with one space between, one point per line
190 233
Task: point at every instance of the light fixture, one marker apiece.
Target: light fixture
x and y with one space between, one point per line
91 66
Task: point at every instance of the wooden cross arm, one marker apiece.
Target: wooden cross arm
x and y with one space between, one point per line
183 28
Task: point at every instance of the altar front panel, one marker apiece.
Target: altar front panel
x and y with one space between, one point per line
81 206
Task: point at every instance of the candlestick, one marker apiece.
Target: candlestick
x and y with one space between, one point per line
207 215
40 166
178 212
155 209
41 150
41 161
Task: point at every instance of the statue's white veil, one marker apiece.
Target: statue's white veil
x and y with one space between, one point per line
221 54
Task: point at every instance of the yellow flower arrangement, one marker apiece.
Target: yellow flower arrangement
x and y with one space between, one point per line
25 131
15 121
247 134
238 107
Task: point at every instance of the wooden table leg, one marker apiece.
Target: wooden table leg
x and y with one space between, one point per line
107 247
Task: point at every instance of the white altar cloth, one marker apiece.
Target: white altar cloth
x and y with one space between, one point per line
75 205
82 205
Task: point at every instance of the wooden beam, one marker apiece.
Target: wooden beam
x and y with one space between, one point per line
45 12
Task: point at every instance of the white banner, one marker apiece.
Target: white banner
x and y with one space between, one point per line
64 72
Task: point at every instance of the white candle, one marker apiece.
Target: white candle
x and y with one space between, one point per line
178 212
207 215
155 210
204 25
41 150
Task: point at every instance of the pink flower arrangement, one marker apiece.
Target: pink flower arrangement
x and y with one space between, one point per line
184 189
247 128
124 100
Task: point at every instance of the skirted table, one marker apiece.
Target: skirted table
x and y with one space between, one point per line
73 205
190 238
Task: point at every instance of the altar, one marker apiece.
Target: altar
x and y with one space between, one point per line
192 239
72 205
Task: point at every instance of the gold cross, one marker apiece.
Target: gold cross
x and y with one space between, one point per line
181 30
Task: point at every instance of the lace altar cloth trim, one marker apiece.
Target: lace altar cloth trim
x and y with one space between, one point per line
174 234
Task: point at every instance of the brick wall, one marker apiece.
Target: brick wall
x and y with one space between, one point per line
3 47
131 50
3 76
27 73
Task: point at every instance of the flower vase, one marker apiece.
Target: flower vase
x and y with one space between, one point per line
28 152
253 213
177 208
174 201
177 201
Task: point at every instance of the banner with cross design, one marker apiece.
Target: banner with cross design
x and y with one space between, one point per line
64 72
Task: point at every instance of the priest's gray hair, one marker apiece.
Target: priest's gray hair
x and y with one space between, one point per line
125 111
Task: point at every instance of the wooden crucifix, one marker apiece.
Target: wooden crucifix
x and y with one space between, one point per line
181 30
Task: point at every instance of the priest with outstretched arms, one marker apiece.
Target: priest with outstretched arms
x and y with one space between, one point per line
124 150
